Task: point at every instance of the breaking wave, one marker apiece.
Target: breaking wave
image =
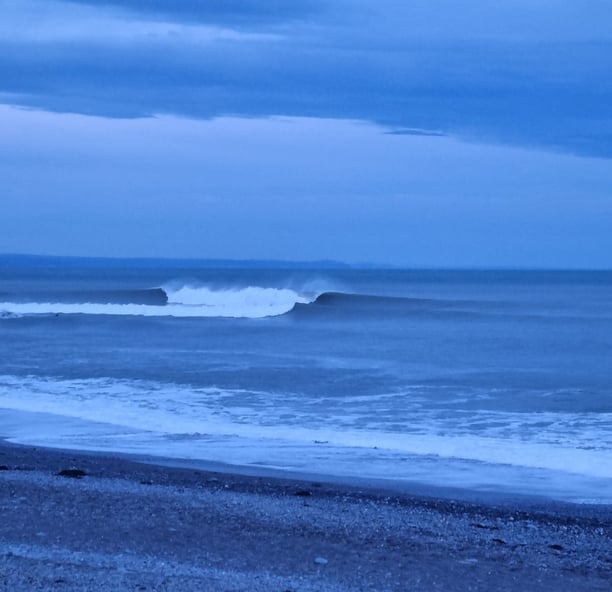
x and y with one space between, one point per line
180 300
185 301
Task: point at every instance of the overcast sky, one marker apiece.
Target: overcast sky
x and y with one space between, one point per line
412 132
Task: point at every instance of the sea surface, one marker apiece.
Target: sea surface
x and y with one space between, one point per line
489 381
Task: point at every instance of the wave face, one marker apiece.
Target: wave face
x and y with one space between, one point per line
245 302
181 301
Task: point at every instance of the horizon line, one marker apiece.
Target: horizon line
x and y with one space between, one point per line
278 263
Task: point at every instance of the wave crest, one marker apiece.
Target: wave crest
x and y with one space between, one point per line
182 301
250 302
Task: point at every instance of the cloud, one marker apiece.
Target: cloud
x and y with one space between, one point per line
237 12
295 189
415 132
524 73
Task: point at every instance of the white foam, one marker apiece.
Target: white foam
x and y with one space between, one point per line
186 301
261 421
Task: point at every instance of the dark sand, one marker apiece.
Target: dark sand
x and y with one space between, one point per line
127 525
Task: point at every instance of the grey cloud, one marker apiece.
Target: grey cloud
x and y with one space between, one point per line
236 12
556 95
415 132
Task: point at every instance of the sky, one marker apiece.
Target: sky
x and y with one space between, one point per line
408 132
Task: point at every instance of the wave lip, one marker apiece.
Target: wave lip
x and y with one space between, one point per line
249 302
185 301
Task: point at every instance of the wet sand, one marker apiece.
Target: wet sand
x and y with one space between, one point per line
129 525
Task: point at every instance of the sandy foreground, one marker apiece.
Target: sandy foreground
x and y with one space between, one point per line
129 525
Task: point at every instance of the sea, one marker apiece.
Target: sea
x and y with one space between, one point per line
462 380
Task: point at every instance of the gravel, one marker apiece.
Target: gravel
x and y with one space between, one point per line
73 521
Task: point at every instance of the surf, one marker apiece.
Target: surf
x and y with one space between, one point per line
180 301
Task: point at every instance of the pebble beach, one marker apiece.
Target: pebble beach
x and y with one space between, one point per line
77 521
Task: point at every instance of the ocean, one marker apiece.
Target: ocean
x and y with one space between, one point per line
481 381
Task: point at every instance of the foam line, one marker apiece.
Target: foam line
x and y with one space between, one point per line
251 302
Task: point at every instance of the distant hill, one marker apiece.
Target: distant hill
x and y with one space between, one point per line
47 261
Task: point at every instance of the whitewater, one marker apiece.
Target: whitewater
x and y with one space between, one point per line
187 301
480 381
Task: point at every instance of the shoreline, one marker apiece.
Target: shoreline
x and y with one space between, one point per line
132 523
495 485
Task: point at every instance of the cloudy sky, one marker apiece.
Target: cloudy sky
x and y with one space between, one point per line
412 132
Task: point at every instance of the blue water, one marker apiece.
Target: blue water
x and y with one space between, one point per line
489 381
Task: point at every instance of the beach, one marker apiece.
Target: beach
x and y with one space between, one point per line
296 430
305 296
82 521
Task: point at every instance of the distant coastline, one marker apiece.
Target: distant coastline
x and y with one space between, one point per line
34 261
45 261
